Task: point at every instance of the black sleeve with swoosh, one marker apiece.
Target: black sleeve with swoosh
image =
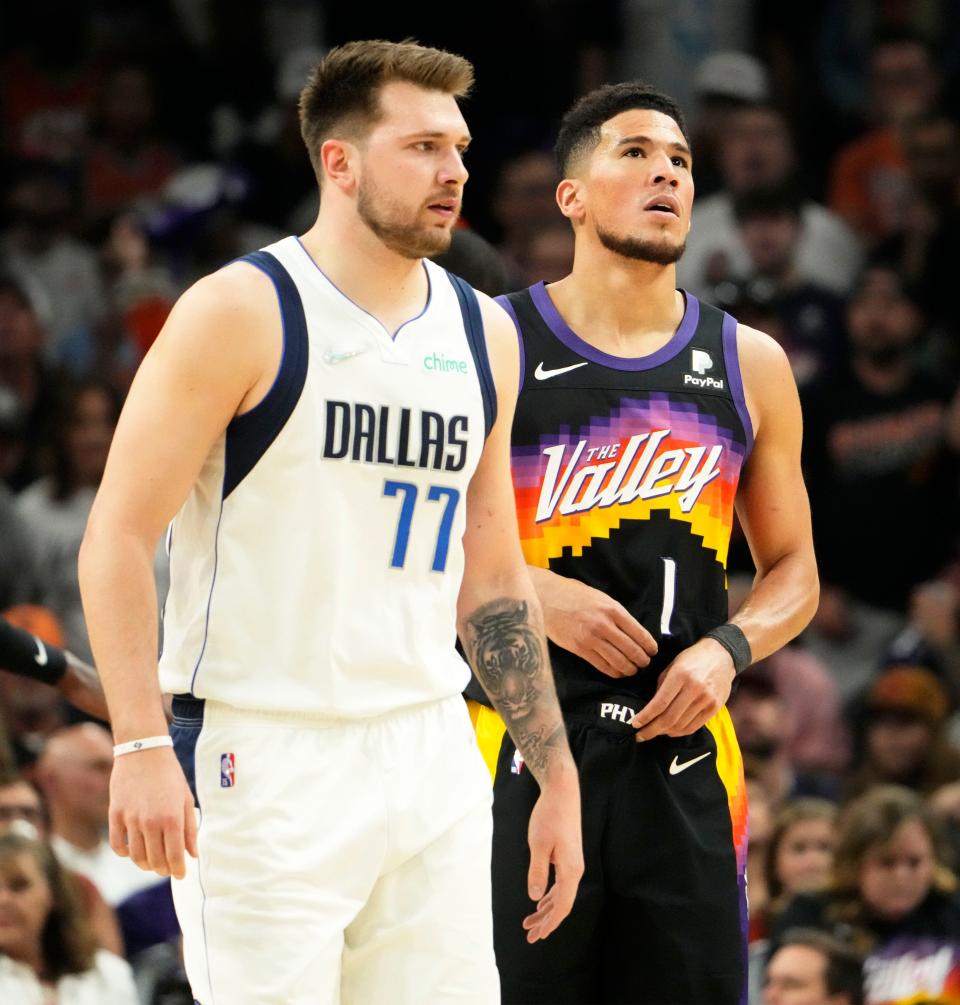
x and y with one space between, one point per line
27 656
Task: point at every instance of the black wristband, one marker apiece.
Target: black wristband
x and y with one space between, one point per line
735 642
25 655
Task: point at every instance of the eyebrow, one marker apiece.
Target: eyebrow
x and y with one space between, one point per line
437 134
681 147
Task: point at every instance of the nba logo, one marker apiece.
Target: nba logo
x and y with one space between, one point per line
517 766
228 771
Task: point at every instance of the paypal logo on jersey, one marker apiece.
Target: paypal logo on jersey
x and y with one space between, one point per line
700 362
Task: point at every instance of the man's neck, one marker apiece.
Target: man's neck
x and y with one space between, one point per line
377 279
621 306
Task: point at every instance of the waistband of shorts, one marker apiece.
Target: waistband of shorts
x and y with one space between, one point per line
189 709
611 713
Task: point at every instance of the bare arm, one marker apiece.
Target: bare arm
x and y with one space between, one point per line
212 360
500 623
775 514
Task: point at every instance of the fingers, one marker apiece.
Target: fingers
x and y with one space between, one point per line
556 904
611 661
118 836
637 644
539 872
190 829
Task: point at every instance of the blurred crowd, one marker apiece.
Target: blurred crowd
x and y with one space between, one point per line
145 144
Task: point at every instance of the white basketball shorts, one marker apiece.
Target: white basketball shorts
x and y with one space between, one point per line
342 862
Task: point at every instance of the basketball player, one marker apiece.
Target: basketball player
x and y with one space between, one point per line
644 417
327 421
24 654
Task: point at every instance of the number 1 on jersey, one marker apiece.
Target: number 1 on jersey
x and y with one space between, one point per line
669 592
436 493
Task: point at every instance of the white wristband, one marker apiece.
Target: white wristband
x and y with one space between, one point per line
132 746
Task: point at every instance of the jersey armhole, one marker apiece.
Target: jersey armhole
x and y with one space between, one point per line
731 360
505 303
249 435
473 326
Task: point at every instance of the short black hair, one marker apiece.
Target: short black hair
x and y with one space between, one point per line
580 128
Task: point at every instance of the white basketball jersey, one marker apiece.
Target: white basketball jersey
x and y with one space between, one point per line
316 564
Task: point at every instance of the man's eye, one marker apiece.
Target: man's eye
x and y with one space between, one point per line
633 152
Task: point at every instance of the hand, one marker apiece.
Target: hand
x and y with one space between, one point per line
593 626
151 812
690 691
555 839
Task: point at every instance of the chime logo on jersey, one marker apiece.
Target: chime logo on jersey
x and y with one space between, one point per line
623 472
228 771
516 765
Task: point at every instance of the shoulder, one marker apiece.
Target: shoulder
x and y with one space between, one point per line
112 977
768 381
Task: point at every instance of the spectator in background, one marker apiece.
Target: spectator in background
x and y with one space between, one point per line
757 150
904 743
48 952
763 722
49 83
892 897
523 204
882 479
28 377
74 775
723 82
55 508
810 315
549 255
796 857
813 968
21 806
926 246
126 160
19 576
869 187
59 273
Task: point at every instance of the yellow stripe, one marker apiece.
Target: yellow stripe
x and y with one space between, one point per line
489 728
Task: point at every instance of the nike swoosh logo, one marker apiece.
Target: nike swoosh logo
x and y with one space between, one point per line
40 656
676 767
542 374
339 357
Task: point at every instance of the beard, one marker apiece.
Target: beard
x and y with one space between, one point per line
659 252
397 227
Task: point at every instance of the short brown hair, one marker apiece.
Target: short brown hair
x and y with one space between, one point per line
343 89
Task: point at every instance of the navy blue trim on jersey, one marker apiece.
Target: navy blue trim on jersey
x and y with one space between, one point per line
504 302
250 435
732 365
473 326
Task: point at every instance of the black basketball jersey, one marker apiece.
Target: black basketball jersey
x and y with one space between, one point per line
625 472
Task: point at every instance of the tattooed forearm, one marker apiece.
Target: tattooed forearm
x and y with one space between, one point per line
508 655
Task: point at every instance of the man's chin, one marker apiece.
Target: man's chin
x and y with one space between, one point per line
657 251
